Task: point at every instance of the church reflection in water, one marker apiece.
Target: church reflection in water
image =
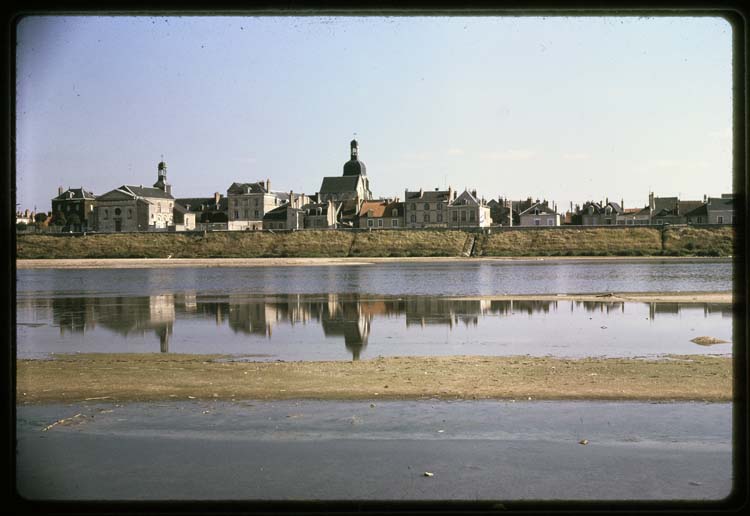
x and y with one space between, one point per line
340 315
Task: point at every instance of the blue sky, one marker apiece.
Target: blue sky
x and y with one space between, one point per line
562 108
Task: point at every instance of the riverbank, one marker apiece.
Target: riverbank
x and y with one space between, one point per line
151 377
522 242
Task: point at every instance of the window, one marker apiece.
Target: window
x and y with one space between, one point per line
471 216
463 216
106 214
413 206
455 216
130 213
439 206
236 203
236 214
659 221
426 217
247 213
118 211
440 217
380 223
413 217
256 202
536 222
158 208
720 219
394 212
550 222
426 206
369 223
256 214
394 223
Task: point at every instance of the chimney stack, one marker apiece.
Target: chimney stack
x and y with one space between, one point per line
59 190
217 199
268 185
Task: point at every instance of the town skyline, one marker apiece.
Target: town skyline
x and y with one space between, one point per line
563 109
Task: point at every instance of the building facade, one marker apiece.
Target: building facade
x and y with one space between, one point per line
469 211
137 208
79 202
249 202
427 209
383 214
540 214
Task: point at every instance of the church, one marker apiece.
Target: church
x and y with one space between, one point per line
353 185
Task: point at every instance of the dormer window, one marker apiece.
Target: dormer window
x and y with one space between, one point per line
394 212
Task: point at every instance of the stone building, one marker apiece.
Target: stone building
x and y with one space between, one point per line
206 210
382 214
289 215
540 214
426 209
137 208
468 211
75 201
248 203
720 210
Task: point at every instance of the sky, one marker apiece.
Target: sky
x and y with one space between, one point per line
567 109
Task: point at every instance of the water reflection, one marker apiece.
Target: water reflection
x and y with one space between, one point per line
347 316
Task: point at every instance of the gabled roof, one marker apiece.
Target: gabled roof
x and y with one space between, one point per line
339 184
698 211
241 188
544 209
313 207
78 194
140 191
377 207
466 199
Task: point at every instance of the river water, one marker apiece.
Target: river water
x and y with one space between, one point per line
362 311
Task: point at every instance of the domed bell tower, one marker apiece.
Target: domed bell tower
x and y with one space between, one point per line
161 182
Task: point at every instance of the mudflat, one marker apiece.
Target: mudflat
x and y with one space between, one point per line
150 377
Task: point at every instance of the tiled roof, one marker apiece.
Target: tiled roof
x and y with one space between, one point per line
208 203
377 207
466 198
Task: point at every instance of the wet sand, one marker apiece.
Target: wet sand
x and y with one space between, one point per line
151 377
123 263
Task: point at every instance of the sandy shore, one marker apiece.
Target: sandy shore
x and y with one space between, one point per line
124 263
150 377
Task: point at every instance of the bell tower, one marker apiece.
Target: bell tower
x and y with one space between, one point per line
161 182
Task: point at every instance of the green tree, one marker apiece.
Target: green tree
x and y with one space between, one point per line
21 226
40 217
74 220
58 219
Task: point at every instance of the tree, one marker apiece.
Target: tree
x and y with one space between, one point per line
74 220
21 226
58 219
40 217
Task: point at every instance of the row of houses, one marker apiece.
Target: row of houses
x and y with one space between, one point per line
346 200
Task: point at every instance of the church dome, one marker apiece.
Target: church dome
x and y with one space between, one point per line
354 167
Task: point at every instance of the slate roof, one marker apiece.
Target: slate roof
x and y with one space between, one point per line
241 188
427 196
78 193
695 212
278 213
140 191
339 184
466 199
313 207
544 209
719 203
208 203
355 167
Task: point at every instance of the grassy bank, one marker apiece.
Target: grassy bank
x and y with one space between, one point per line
147 377
573 241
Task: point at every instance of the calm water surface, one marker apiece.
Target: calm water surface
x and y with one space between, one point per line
433 279
352 312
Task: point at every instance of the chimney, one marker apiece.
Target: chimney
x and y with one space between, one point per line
291 199
606 200
651 205
217 198
474 193
704 198
450 193
420 193
59 190
268 185
622 204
